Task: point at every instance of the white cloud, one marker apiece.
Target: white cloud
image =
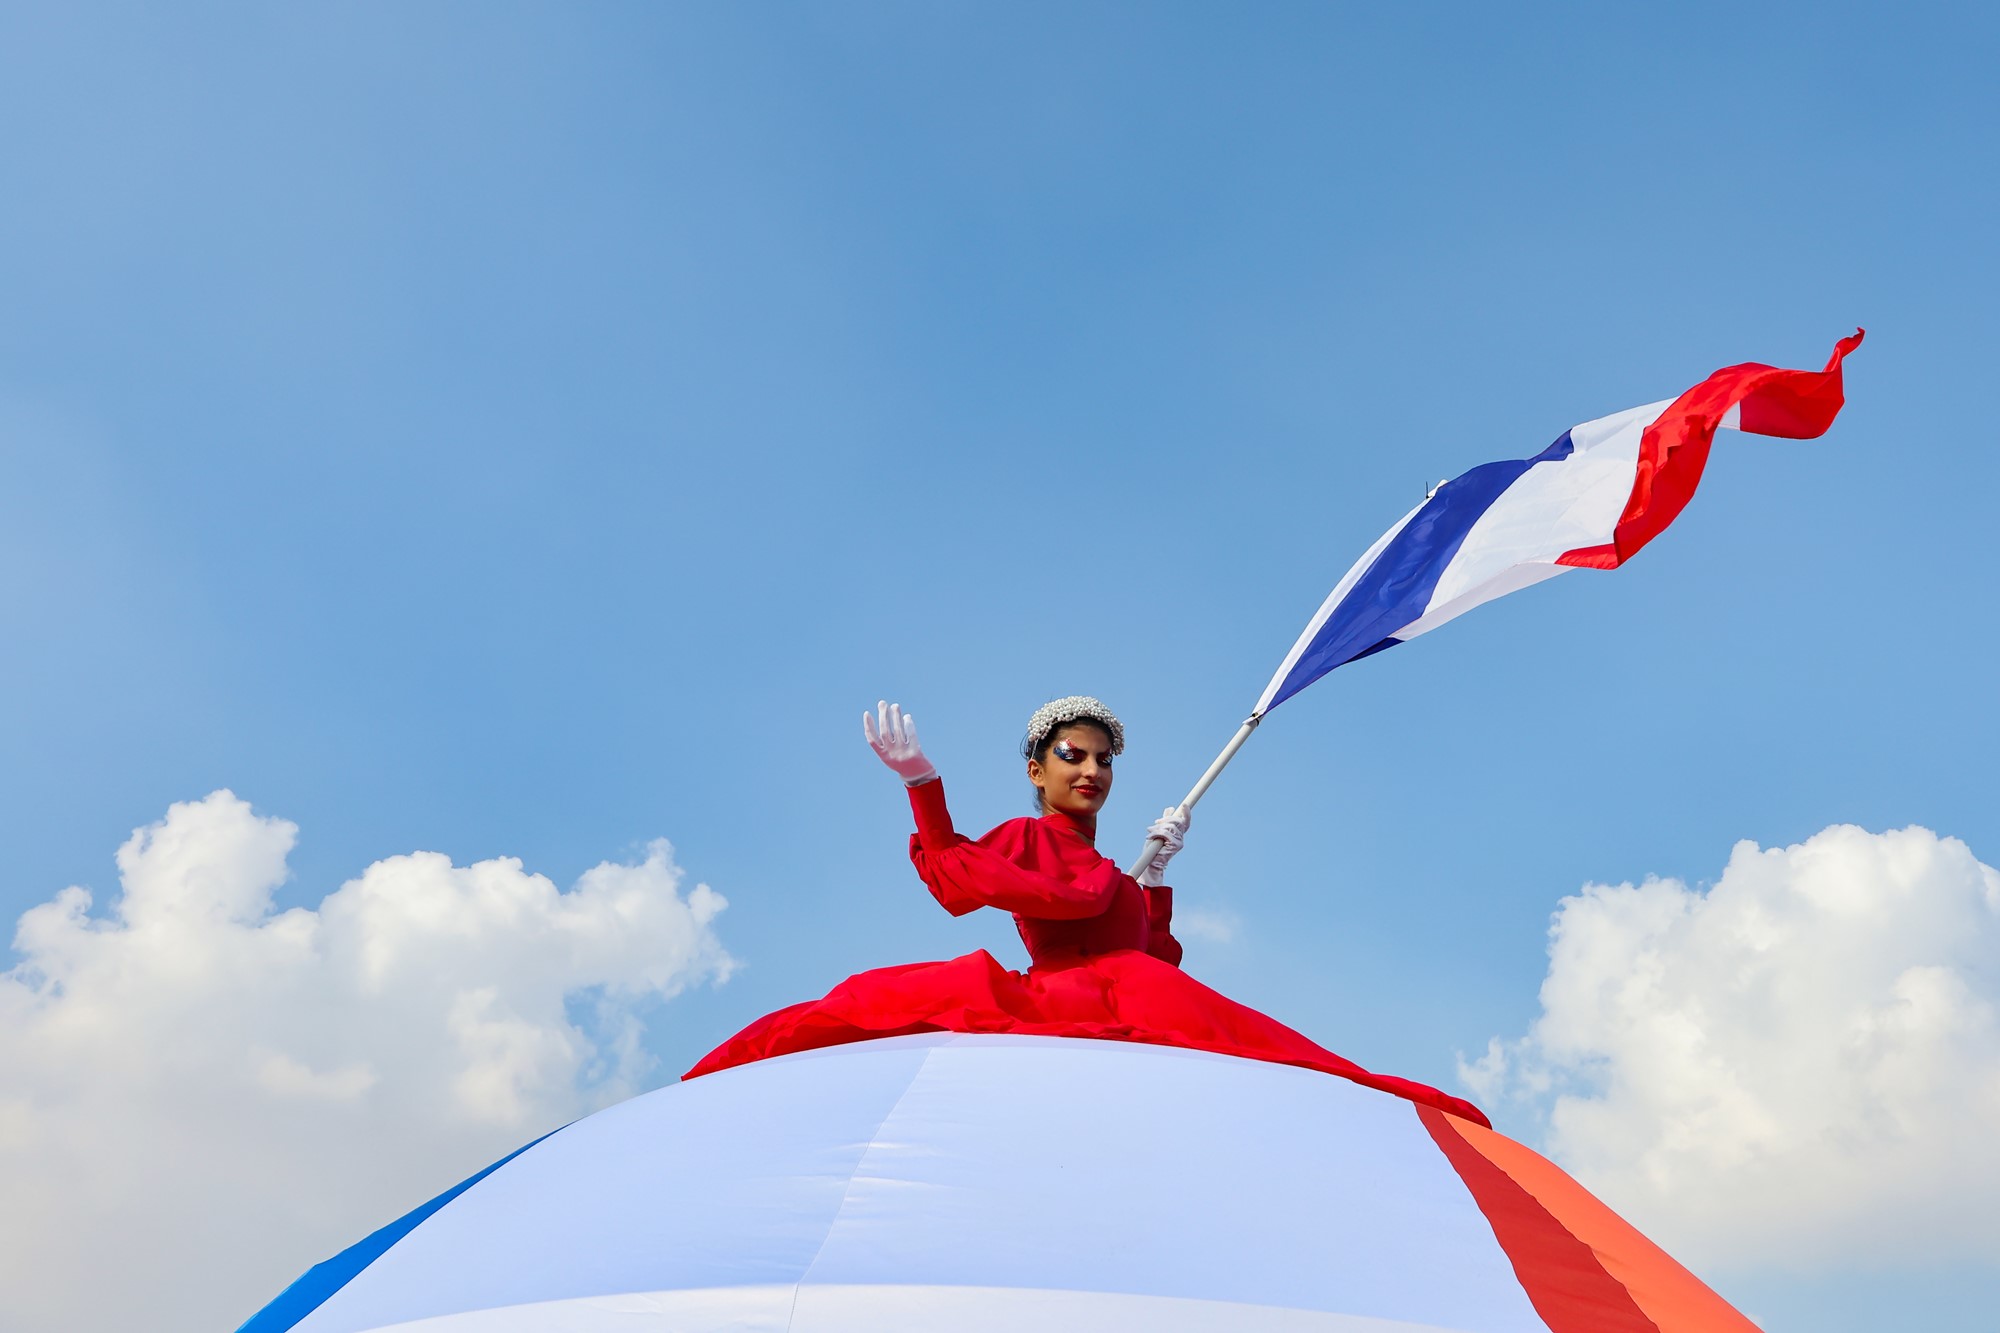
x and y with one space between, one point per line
1211 925
1798 1066
199 1097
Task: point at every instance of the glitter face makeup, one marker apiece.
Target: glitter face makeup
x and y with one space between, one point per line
1073 754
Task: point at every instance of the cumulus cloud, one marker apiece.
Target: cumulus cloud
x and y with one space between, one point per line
199 1095
1799 1065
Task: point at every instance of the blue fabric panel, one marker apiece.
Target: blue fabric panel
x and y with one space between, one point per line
1389 642
320 1281
1557 451
1397 588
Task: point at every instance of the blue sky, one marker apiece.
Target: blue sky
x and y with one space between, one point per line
530 431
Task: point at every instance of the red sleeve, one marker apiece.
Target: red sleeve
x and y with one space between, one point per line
1160 941
999 870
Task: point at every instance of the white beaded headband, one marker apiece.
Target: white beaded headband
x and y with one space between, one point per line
1075 708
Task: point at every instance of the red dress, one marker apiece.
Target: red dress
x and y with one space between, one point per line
1104 963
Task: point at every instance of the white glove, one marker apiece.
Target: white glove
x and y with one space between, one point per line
893 737
1171 828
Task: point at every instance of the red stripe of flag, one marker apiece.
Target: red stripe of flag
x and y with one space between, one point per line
1794 404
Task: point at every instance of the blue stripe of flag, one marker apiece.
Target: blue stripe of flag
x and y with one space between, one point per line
1396 590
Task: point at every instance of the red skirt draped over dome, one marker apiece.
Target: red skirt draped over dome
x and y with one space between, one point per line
1104 963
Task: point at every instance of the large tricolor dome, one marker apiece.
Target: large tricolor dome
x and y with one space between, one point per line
977 1183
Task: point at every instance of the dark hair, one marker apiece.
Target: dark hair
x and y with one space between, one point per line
1040 752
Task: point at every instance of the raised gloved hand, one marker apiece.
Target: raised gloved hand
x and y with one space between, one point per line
1170 828
893 736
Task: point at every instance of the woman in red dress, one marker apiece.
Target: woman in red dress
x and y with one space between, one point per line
1103 959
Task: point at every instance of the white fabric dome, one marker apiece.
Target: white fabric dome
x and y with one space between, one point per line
970 1183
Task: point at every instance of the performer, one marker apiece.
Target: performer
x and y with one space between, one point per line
1103 959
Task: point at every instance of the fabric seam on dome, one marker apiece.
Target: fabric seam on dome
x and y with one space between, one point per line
792 1312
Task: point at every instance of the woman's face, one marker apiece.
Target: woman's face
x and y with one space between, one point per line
1075 772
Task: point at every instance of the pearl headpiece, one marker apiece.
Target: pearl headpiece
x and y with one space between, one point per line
1074 708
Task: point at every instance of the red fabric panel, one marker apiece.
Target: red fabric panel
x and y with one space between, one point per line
1796 404
1566 1284
1106 964
1670 1296
1160 941
1040 868
1120 996
1066 898
934 827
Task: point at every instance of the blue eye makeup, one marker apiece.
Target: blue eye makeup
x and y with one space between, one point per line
1071 754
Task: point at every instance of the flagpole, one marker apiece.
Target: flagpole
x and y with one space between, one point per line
1153 845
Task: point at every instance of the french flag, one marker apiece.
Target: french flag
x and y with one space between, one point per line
1589 501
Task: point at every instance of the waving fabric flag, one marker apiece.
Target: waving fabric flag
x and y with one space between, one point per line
1589 501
